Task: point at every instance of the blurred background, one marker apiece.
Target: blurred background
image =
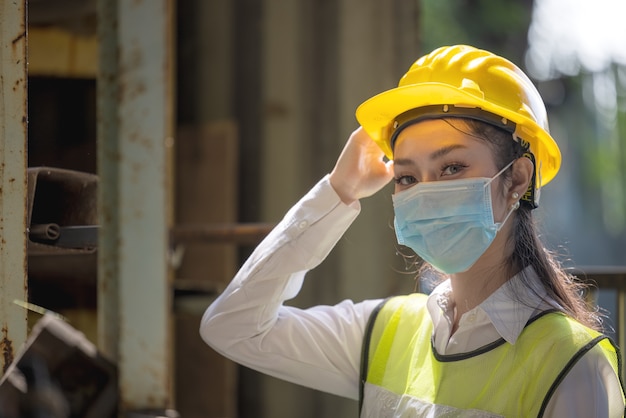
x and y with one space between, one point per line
261 97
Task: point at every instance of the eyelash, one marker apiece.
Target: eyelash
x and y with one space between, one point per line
399 179
444 167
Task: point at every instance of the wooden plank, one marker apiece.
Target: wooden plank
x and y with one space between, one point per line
206 382
57 52
206 193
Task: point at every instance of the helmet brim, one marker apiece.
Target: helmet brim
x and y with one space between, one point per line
377 114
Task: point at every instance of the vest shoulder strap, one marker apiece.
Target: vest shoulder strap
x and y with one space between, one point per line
367 339
365 348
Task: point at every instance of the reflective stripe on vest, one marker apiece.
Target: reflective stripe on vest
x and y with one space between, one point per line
504 379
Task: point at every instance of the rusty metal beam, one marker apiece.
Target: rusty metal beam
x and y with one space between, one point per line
13 163
135 127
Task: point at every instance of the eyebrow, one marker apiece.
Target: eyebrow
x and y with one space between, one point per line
441 152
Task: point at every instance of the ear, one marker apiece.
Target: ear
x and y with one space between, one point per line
521 177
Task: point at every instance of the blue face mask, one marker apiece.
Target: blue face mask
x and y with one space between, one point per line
448 223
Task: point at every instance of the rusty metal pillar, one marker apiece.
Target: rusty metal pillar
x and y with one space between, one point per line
13 187
135 125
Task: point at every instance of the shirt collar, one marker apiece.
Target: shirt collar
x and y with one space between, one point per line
509 308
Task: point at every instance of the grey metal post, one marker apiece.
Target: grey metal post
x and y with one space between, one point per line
13 179
135 125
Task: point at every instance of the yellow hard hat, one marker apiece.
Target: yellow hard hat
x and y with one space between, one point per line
463 81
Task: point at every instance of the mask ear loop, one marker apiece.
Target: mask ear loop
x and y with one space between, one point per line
500 172
514 206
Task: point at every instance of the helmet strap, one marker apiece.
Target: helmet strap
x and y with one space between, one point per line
531 197
416 115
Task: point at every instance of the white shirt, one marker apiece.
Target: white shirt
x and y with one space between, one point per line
320 347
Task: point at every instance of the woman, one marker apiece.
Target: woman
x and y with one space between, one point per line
505 333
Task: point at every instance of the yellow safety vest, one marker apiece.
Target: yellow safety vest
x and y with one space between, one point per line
499 378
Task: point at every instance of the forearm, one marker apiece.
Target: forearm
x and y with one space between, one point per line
248 322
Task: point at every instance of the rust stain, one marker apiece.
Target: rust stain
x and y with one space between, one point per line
19 37
7 348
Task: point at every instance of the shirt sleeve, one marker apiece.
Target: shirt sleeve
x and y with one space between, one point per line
318 347
590 389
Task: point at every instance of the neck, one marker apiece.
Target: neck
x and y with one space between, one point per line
470 288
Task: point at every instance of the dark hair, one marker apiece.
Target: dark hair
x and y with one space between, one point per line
527 248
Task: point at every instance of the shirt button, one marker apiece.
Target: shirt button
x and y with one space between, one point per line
471 317
303 224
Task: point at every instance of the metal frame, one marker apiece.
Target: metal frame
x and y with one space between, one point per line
135 125
13 179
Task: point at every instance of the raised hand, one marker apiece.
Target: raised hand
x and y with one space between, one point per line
360 170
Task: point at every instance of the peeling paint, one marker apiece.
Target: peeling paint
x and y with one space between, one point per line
6 345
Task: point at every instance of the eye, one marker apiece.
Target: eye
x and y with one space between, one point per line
405 180
452 169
